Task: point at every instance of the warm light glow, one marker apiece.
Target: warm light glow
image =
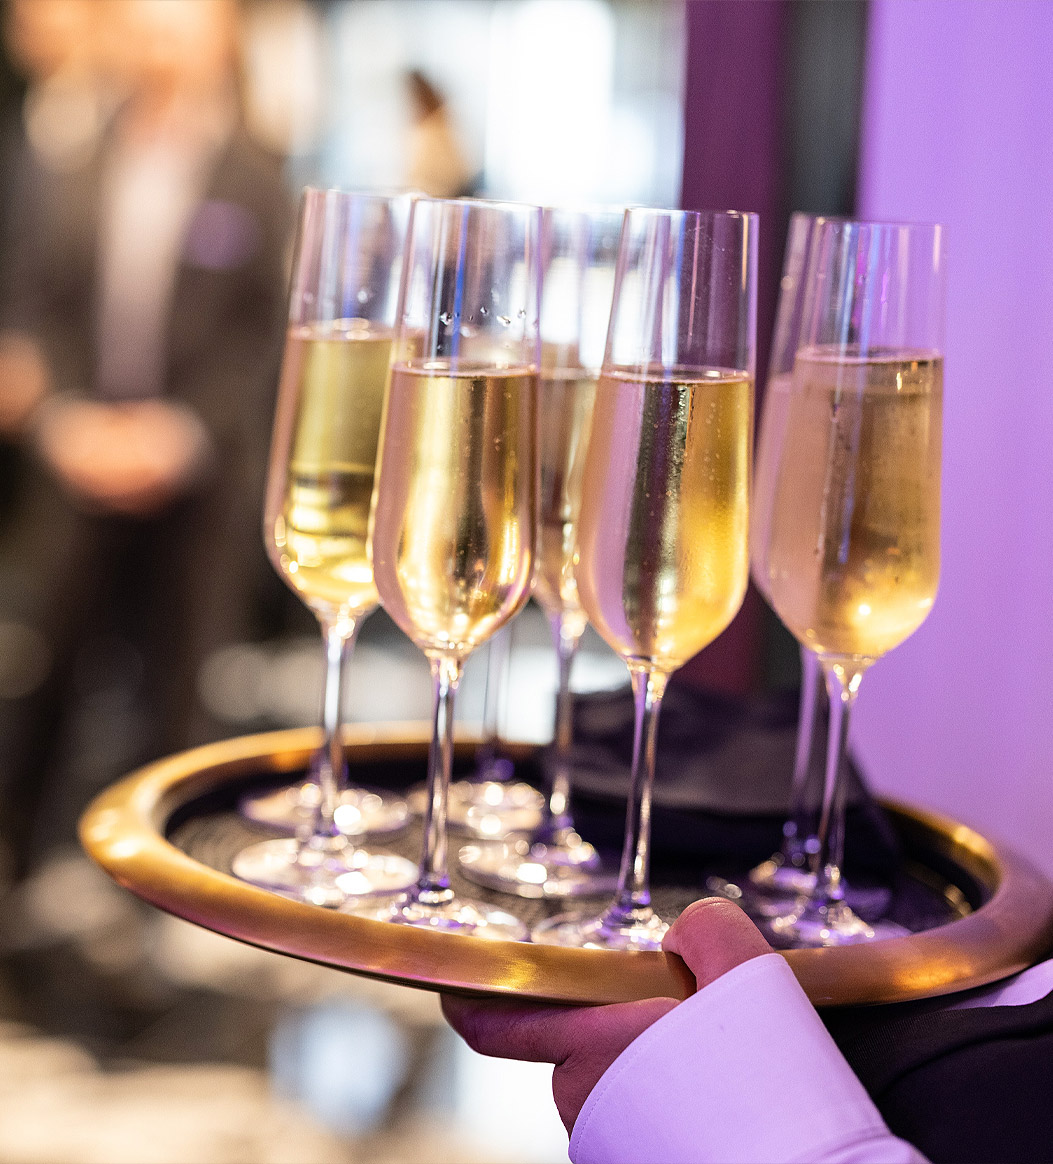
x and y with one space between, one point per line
532 873
348 819
491 825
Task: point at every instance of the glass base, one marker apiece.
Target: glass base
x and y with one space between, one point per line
320 877
615 929
779 877
486 808
831 924
777 899
361 811
569 867
771 891
455 915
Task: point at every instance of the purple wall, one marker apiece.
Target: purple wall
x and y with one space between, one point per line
958 127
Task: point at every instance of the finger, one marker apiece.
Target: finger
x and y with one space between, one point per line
713 936
541 1033
536 1032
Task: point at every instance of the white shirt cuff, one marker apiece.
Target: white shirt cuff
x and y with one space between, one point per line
742 1071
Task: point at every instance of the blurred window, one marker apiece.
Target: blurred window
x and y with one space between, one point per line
552 100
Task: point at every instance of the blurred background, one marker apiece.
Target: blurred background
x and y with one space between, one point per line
153 151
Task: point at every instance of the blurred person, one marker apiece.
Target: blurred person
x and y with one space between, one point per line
140 301
54 111
437 164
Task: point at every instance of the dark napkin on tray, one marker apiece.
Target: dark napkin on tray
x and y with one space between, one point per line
722 783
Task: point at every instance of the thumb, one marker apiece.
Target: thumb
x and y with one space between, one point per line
713 936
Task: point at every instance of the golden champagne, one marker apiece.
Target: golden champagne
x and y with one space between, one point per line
455 509
566 402
771 442
854 555
334 377
663 535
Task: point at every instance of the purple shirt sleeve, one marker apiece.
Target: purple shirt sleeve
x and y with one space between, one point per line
744 1070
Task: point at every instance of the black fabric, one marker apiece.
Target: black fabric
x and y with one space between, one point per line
963 1086
722 783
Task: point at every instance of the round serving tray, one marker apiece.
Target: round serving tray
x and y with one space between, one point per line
126 831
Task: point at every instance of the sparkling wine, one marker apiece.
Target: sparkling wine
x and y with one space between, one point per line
318 525
854 554
663 537
455 509
566 400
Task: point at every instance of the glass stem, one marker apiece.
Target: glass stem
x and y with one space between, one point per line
842 686
799 830
557 819
433 881
339 637
633 896
491 765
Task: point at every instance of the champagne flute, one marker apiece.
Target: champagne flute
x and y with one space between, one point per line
344 239
853 557
320 478
454 515
663 558
781 878
578 252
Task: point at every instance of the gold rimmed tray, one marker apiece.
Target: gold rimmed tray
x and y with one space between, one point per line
127 830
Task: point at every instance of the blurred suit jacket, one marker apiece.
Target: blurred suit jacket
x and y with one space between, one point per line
195 576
